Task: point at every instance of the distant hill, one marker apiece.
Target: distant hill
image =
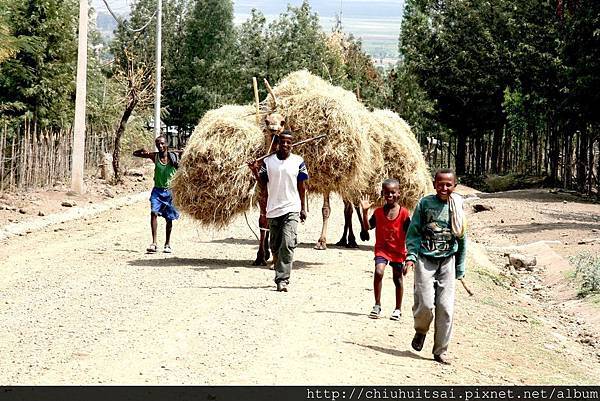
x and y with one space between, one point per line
376 22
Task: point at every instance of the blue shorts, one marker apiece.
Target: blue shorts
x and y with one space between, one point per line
395 265
161 203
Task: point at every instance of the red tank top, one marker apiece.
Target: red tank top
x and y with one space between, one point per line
390 237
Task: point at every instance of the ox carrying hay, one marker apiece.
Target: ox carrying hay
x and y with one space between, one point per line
209 184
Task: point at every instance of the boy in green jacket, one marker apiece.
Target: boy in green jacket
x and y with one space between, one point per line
436 242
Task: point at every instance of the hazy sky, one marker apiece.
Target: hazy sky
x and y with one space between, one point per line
350 8
376 22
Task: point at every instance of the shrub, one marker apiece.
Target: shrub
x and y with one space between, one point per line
587 270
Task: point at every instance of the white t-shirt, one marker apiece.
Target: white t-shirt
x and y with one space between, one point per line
282 178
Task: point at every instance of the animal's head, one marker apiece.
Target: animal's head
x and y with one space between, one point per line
275 123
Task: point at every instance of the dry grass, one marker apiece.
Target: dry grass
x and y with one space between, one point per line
312 106
210 186
362 149
403 157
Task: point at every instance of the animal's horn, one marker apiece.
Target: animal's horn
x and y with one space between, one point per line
270 90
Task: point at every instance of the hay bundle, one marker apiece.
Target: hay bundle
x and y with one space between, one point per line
209 184
402 157
312 107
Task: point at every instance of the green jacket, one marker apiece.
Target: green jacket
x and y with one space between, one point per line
430 234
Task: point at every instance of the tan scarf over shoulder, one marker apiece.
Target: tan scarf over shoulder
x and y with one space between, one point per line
457 215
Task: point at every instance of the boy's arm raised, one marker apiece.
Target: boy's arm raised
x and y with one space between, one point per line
365 204
144 153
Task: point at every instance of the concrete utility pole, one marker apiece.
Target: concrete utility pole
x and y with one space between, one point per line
158 69
80 96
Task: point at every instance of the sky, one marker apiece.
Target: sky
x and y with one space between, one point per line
351 8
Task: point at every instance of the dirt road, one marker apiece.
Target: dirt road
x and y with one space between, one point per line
81 302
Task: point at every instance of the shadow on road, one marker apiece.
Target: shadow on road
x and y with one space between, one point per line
305 245
394 352
236 288
201 264
340 312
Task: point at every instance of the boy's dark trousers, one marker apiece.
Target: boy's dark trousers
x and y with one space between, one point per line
434 289
284 239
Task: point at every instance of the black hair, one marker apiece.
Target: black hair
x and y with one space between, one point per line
444 171
287 132
163 137
390 181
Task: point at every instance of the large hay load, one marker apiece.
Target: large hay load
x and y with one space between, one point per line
209 185
362 148
311 106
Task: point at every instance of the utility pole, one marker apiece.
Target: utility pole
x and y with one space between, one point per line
80 96
158 69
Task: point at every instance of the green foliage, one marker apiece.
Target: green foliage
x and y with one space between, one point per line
413 104
251 57
361 74
206 60
9 44
173 90
296 41
39 78
587 270
452 50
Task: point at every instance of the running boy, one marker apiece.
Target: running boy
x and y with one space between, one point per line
161 199
436 243
391 223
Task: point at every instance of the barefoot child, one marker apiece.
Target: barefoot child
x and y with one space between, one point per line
161 199
391 223
436 243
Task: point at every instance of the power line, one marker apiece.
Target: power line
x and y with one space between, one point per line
120 22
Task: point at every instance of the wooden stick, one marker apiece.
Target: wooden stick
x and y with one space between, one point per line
256 99
314 138
464 284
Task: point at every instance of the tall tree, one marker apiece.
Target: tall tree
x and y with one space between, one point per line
174 19
450 48
39 78
296 41
251 56
134 68
207 59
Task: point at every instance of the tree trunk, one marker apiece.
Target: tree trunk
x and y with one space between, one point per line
507 148
118 134
553 154
459 160
582 155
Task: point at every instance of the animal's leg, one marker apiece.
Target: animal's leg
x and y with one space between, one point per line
263 253
343 241
348 221
322 242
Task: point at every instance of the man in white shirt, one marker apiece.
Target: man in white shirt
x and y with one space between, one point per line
282 177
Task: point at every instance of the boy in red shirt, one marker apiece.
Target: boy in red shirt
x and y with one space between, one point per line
391 223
